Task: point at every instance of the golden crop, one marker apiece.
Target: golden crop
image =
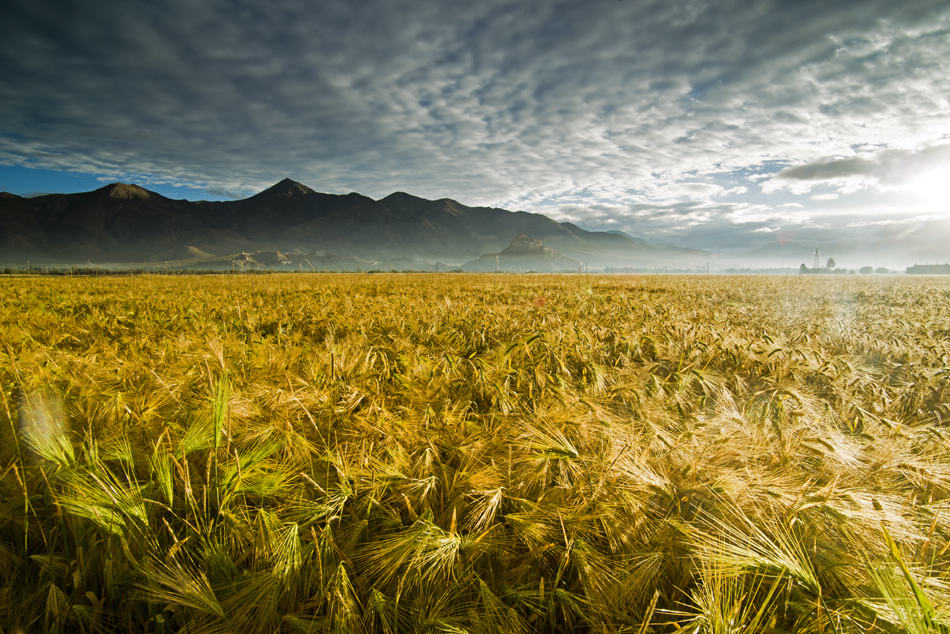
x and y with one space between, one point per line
402 453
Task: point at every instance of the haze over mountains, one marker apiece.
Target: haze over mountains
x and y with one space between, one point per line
289 225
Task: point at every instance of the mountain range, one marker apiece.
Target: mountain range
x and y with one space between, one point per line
289 225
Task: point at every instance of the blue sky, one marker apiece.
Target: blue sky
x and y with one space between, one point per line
32 181
704 124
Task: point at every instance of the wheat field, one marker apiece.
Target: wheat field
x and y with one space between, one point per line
450 453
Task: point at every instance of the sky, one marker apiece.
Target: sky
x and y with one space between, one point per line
729 126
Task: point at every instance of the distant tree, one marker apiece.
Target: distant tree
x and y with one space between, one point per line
881 270
803 268
830 264
866 270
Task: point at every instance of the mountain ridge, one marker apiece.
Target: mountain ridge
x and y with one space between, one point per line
126 223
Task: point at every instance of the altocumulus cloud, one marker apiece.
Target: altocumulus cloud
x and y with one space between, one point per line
659 118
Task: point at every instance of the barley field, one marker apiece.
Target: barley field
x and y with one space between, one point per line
449 453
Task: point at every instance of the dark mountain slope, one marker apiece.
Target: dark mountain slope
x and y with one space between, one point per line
126 223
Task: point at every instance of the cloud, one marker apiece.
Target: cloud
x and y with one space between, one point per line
828 170
226 193
886 170
651 107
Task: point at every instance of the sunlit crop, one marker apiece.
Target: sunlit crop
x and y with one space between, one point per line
399 453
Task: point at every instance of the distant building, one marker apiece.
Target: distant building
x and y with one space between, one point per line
929 269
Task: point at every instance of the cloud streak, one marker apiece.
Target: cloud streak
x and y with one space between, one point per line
884 171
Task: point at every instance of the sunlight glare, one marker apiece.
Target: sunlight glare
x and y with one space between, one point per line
932 188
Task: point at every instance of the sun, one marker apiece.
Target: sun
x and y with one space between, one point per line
931 189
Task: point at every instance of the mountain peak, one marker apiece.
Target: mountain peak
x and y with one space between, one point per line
400 197
288 188
125 191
